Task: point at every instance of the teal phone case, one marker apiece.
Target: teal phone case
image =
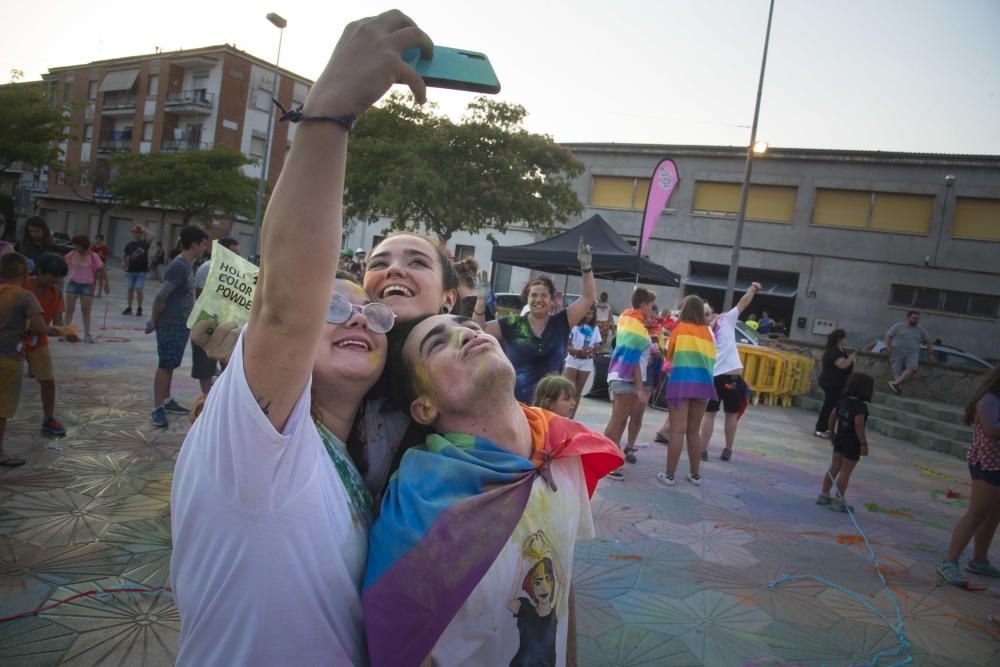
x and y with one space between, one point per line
457 69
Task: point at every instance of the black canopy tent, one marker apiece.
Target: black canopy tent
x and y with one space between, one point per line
614 258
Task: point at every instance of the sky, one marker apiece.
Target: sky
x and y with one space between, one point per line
892 75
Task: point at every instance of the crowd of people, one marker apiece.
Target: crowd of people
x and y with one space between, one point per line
374 419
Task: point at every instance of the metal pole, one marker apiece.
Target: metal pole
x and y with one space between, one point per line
745 190
267 154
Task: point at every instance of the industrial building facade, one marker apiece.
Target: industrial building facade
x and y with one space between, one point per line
847 239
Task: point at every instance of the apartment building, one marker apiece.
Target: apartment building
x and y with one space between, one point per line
176 101
849 239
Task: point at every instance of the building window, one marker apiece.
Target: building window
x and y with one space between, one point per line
977 219
261 100
68 91
84 177
619 192
88 133
147 131
154 84
877 211
772 203
463 251
92 91
257 146
61 178
945 301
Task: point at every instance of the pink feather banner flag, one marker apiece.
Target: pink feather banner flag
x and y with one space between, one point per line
661 186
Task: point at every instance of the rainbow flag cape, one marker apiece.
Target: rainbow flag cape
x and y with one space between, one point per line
446 514
691 353
631 340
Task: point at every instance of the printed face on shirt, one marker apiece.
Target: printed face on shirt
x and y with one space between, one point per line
454 360
350 351
541 586
405 273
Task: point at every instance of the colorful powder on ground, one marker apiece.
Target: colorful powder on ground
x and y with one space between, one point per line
850 539
928 472
942 497
626 556
873 507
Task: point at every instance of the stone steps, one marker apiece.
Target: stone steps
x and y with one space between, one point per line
925 424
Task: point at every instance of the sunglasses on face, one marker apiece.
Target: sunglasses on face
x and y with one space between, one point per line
380 317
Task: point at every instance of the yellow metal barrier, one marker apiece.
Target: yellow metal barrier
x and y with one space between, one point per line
774 376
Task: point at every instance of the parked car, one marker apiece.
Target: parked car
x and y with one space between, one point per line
63 241
946 354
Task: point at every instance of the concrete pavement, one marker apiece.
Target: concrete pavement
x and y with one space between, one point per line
677 576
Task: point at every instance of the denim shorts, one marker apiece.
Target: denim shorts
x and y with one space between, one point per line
171 339
991 477
620 387
135 280
79 288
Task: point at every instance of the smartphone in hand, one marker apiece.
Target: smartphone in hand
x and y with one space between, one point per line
456 69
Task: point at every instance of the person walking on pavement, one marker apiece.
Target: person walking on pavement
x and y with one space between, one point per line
86 273
136 264
171 308
837 367
983 514
902 344
729 384
46 285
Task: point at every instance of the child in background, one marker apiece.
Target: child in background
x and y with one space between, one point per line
46 285
20 316
847 425
556 394
584 342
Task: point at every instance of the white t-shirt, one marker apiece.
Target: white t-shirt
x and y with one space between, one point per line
485 631
603 311
727 356
269 544
201 275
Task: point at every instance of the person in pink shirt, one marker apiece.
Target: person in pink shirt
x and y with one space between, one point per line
85 268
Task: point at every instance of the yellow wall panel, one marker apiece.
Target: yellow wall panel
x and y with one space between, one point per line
641 192
902 213
717 197
611 192
977 219
841 208
771 202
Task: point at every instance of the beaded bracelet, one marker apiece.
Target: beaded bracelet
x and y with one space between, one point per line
295 115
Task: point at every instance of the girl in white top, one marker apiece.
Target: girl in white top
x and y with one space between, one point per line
269 516
584 342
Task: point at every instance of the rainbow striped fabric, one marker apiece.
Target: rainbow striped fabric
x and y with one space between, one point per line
631 340
691 353
447 513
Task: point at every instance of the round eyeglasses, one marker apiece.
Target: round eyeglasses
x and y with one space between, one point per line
380 317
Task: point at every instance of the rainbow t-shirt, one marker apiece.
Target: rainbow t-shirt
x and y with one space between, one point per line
631 340
691 353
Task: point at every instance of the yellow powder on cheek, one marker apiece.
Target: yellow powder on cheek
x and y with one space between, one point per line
456 338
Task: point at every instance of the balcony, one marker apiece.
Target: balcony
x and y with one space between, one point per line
180 145
118 104
115 142
195 101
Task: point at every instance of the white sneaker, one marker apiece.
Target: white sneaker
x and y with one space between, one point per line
694 479
665 479
823 499
822 434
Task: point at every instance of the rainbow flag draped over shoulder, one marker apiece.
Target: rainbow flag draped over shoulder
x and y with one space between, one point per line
447 513
691 353
631 340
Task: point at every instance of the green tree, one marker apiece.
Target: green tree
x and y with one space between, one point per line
200 184
30 127
420 169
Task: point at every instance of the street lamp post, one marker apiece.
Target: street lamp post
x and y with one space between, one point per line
745 190
280 24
